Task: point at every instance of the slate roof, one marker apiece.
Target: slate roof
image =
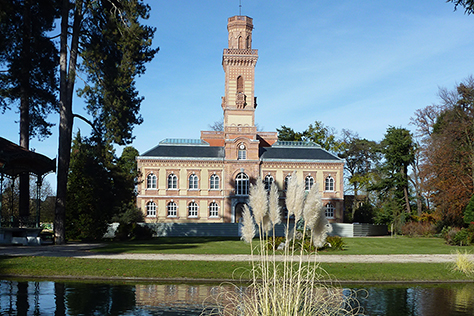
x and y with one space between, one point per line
296 153
185 151
188 151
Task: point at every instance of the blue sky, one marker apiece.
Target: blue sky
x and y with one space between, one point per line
357 65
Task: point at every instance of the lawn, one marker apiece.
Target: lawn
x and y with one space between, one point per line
213 245
48 267
43 267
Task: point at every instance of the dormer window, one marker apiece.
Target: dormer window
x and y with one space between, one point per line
242 152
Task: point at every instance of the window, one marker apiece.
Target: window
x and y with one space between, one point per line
172 181
192 209
151 181
213 210
193 182
329 184
287 180
214 185
151 209
242 184
268 182
240 84
308 183
329 210
242 153
172 209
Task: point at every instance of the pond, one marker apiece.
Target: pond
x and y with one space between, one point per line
84 298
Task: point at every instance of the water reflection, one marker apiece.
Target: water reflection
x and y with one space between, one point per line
71 298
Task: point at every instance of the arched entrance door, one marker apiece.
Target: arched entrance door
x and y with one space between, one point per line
239 209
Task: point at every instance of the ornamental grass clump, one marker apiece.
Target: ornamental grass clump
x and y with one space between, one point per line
295 284
463 264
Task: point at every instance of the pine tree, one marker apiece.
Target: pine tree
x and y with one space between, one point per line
100 29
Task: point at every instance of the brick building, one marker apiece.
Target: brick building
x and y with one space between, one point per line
208 179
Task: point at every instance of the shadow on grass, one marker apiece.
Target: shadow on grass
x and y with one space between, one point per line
160 244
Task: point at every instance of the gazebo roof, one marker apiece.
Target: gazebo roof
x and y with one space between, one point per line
15 159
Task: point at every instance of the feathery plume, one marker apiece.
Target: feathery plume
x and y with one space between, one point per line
321 229
291 194
258 201
248 225
312 205
273 205
299 201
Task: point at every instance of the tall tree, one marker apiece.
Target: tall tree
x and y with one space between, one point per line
398 149
29 80
362 157
114 47
448 150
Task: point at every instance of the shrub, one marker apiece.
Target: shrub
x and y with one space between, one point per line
462 238
448 233
334 243
418 229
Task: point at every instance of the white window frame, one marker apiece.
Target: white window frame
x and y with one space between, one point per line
151 181
193 210
213 209
151 209
172 209
214 182
308 183
329 211
242 152
329 184
242 184
193 182
172 182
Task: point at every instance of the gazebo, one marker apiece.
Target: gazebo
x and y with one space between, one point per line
16 160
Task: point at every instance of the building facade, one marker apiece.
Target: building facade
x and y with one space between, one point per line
208 179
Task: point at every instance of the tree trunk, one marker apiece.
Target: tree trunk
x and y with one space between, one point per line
24 199
66 89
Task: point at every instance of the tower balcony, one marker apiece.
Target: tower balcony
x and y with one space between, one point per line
239 51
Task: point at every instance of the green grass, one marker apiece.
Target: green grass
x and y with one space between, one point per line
354 246
46 267
180 245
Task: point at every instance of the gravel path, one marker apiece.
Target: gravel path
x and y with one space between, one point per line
82 251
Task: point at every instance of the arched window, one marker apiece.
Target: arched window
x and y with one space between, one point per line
248 42
329 210
329 185
172 181
192 209
268 182
172 209
151 209
193 182
287 180
213 209
151 181
308 183
241 42
214 182
240 84
242 184
242 153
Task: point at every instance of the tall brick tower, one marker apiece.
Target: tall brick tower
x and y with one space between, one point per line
239 102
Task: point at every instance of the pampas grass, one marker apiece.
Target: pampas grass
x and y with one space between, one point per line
297 285
463 264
